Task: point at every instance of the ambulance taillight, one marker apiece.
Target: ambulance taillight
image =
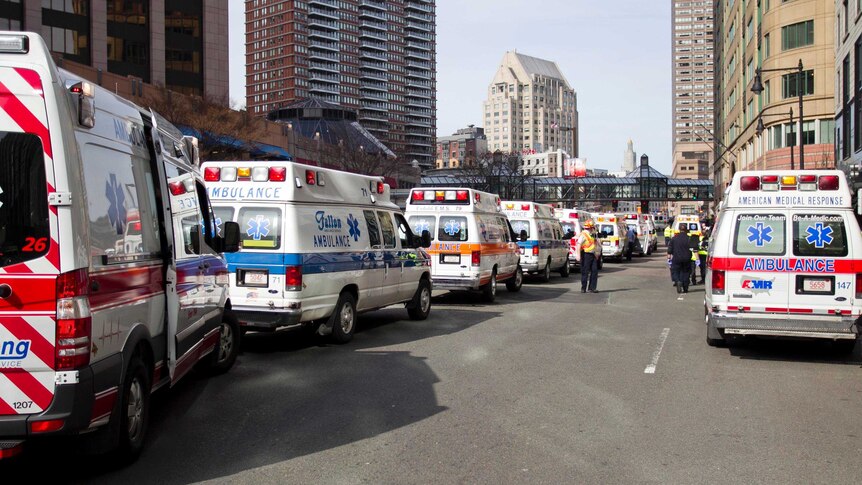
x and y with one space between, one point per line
380 187
72 349
535 250
211 174
476 258
828 182
293 278
309 177
717 282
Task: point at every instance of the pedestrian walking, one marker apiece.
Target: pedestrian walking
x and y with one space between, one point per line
668 233
694 246
679 255
702 253
631 237
589 261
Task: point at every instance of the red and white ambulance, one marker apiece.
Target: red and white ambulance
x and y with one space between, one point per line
111 279
785 259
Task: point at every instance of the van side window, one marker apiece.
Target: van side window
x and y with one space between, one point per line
404 232
424 223
387 228
760 234
373 229
121 205
24 231
452 228
503 228
819 235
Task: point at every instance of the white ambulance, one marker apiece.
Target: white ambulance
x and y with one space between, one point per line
644 238
785 259
612 233
473 246
111 282
318 246
690 222
546 249
572 222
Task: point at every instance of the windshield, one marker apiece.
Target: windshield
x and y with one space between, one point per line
24 231
606 230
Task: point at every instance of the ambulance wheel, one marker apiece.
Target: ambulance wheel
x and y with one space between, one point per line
546 273
713 336
420 306
844 346
343 319
514 283
134 410
225 353
489 291
565 271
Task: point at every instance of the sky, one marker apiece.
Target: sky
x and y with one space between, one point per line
616 54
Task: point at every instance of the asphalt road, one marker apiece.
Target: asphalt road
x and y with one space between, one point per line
544 386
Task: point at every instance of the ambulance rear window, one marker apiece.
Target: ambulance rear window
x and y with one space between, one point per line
569 227
24 232
452 228
760 234
423 223
819 235
606 230
260 228
519 225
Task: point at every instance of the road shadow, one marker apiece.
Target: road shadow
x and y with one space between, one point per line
544 291
810 351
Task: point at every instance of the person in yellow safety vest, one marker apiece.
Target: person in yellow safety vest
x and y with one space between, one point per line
668 233
702 252
589 263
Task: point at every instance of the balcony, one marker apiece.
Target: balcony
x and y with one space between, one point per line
375 76
323 23
316 44
418 55
325 78
373 95
322 88
373 4
375 106
418 26
419 65
315 54
418 83
322 34
415 102
378 66
372 116
412 34
376 56
370 44
322 12
376 87
423 17
327 3
425 46
422 7
323 66
372 24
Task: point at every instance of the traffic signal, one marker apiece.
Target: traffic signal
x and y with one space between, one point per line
644 207
615 204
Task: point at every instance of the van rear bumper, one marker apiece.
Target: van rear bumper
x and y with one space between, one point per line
465 283
269 319
826 328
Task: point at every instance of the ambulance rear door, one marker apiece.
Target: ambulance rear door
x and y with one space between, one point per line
759 248
823 278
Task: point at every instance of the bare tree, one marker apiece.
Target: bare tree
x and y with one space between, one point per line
496 172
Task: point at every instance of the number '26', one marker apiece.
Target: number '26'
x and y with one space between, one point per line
32 244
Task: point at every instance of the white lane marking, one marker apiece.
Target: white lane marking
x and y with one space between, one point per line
650 369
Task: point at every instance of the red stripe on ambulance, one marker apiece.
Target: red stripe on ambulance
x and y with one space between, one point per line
789 265
32 78
34 389
24 118
5 408
23 330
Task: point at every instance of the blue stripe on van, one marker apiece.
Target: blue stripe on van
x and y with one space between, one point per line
321 263
531 243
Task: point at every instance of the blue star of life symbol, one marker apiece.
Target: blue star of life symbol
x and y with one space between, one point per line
116 203
258 227
353 227
818 235
759 234
422 225
452 228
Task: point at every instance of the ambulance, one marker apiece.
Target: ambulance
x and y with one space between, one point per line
474 246
112 283
611 232
690 222
571 221
546 249
785 259
644 238
318 246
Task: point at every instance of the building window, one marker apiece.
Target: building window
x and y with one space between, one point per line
766 45
797 35
184 47
129 38
11 15
792 83
66 28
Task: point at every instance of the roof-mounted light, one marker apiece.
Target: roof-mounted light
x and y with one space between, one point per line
243 173
381 187
228 174
417 195
828 182
260 174
769 182
749 183
278 174
320 180
212 174
14 44
309 177
808 182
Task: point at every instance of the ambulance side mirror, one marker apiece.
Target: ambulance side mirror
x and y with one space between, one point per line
569 235
195 237
230 240
425 239
523 235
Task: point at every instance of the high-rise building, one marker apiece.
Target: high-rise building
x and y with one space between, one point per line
848 90
531 107
630 157
755 130
181 45
373 56
463 148
693 77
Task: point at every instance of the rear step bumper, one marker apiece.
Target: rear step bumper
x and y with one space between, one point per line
844 328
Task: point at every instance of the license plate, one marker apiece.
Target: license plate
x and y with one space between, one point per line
255 278
606 243
451 258
817 285
522 250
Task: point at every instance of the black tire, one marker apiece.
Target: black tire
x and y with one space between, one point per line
134 410
545 275
420 307
564 272
224 355
343 319
844 347
514 283
489 291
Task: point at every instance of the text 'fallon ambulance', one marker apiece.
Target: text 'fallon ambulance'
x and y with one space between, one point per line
318 246
111 280
473 246
785 259
546 249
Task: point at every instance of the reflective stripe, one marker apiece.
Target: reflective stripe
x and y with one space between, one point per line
589 242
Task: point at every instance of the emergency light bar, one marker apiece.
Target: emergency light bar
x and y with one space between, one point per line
459 197
806 182
14 44
255 174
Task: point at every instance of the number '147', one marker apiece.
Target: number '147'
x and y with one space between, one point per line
843 285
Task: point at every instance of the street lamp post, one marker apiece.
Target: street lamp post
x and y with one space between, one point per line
760 128
317 137
757 88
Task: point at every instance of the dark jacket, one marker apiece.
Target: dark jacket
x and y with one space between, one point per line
680 248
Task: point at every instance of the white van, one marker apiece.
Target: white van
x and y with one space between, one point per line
690 222
474 246
785 258
612 233
111 281
546 249
318 246
572 222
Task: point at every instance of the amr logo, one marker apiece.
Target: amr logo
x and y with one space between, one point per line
757 286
